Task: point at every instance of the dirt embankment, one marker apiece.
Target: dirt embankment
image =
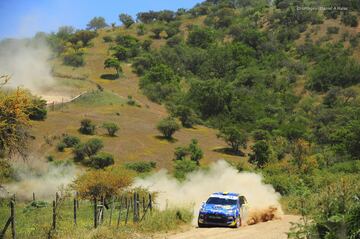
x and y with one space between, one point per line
275 229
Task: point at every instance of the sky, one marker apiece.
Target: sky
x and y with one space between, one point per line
23 18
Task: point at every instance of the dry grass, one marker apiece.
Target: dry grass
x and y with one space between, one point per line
137 139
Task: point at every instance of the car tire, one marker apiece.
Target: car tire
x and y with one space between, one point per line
200 225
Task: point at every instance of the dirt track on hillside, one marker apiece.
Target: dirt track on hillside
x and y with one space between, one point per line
267 230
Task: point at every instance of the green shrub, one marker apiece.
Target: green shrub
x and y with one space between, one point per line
141 167
168 127
111 128
349 20
74 59
101 160
70 141
61 147
183 167
87 127
37 109
93 146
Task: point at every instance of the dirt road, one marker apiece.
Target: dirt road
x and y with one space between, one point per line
267 230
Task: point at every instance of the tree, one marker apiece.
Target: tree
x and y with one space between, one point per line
113 63
180 153
70 141
186 115
74 59
195 151
37 109
111 128
168 127
87 127
201 37
101 160
234 137
126 19
120 52
65 32
93 146
96 23
14 121
261 153
102 183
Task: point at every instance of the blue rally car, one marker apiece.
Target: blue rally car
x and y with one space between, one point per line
223 209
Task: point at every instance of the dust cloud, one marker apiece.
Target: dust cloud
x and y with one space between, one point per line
26 61
220 177
41 178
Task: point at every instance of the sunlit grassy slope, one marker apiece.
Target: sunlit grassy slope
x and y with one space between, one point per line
138 139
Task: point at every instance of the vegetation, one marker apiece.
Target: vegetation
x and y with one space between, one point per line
111 128
168 127
87 127
113 63
141 167
96 23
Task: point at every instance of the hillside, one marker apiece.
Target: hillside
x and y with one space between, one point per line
273 89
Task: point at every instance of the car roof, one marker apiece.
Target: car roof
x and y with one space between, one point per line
229 195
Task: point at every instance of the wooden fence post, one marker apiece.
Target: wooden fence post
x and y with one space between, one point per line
75 210
54 216
119 216
150 202
12 211
111 210
34 198
127 212
95 213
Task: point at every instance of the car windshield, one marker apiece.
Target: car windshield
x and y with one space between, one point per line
221 201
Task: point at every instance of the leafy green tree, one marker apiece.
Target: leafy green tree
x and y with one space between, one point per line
92 147
201 37
74 59
65 32
111 128
183 167
113 63
126 19
120 52
70 141
87 127
196 153
97 23
141 167
101 160
261 153
140 29
168 127
146 45
37 110
84 36
185 114
234 137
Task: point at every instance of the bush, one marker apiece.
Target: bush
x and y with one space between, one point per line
111 128
37 109
101 160
70 141
349 20
168 127
93 146
87 127
234 137
74 59
200 37
61 147
105 183
141 167
261 153
183 167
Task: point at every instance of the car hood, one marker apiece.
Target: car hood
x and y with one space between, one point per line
221 209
